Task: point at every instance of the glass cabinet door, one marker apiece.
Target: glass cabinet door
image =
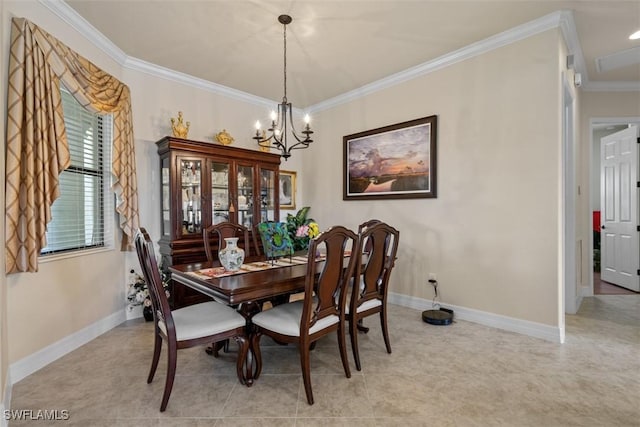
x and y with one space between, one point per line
267 195
166 197
191 195
245 196
219 193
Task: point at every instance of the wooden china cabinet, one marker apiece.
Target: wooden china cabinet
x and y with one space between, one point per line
203 184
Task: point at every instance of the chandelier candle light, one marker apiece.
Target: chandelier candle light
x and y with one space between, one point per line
283 119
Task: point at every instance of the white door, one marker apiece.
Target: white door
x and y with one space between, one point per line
620 248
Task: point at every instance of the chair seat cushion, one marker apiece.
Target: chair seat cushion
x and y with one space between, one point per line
365 305
201 320
285 319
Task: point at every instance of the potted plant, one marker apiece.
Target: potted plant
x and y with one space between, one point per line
301 229
138 293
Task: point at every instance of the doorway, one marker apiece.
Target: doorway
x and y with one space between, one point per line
602 128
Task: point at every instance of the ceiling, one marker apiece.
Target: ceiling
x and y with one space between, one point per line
334 47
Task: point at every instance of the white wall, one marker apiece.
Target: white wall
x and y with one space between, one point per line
492 235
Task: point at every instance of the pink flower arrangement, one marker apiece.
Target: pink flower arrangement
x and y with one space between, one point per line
302 231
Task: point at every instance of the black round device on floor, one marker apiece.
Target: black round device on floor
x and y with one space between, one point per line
438 315
442 316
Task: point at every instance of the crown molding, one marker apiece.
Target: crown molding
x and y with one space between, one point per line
611 87
547 22
570 34
63 11
186 79
618 59
560 19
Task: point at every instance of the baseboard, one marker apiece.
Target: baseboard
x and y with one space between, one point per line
30 364
134 312
586 291
525 327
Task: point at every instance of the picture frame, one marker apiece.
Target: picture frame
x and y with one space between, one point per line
287 189
392 162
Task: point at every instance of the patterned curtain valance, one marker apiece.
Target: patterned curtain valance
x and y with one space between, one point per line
37 149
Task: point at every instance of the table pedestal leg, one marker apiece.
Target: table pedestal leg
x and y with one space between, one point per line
252 365
361 326
214 348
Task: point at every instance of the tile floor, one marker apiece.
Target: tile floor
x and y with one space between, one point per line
463 374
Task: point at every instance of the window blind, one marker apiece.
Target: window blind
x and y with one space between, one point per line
82 217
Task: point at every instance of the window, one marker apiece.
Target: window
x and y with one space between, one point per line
82 217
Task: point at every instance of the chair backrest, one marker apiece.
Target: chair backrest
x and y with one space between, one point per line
327 295
151 273
275 239
363 226
368 224
255 239
374 270
224 230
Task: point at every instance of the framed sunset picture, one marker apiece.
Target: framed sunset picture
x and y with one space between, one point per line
392 162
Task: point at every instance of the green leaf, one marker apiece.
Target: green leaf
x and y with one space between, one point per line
301 216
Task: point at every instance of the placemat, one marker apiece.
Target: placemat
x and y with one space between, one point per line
208 273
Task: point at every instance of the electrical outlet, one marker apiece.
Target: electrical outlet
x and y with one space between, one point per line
432 276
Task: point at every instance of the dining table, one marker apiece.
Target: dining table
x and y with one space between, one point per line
259 280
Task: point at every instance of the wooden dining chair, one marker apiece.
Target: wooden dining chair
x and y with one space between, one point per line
224 230
321 312
367 245
369 290
186 327
366 248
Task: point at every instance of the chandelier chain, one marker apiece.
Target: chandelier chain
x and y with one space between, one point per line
285 63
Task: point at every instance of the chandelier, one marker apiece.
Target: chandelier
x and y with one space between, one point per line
282 120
